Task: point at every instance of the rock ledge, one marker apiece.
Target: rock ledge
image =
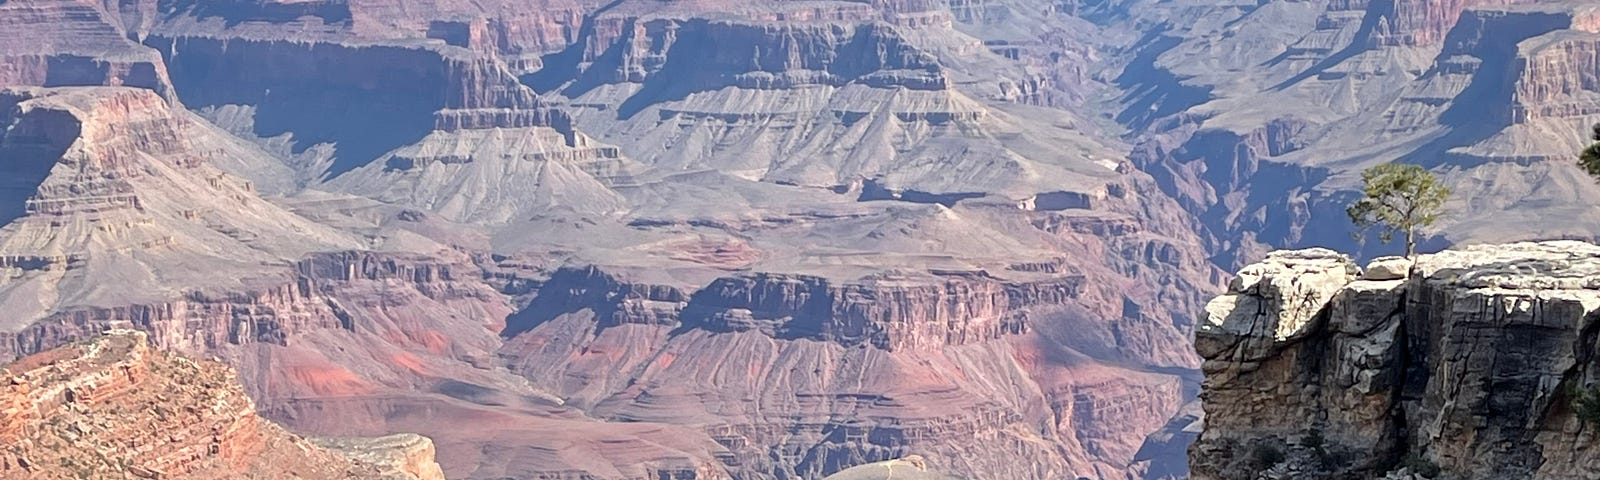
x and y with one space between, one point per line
1467 367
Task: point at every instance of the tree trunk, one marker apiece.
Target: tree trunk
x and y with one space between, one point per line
1411 243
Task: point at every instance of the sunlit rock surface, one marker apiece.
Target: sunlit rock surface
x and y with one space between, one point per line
1470 366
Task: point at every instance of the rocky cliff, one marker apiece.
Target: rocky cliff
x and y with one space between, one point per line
110 182
112 407
67 43
1472 363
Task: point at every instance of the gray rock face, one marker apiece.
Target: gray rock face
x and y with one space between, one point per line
1469 367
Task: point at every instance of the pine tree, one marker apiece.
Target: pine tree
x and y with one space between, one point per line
1590 159
1401 199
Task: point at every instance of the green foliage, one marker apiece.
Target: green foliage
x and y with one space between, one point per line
1590 159
1313 439
1400 199
1586 404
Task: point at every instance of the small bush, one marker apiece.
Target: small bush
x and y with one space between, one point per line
1586 404
1313 440
1264 456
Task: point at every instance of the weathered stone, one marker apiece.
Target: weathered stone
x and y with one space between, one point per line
1470 365
1387 268
1271 302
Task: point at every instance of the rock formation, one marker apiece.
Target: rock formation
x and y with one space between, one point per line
912 467
112 407
399 456
1475 363
738 239
844 370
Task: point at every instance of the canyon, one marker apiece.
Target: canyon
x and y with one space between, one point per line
716 239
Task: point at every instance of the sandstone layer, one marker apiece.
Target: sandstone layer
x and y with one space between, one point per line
1475 364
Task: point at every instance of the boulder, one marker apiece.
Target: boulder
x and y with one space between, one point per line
1387 268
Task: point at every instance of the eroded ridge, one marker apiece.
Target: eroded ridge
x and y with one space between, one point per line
112 407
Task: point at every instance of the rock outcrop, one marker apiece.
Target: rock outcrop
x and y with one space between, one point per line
909 468
111 183
1421 22
70 43
398 457
1475 363
112 407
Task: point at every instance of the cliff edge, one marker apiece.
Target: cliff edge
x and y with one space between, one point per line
1470 364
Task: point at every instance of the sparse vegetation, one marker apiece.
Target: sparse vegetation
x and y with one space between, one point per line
1400 199
1264 456
1586 404
1590 158
1313 440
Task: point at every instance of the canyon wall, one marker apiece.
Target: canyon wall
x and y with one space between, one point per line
1475 362
566 239
798 376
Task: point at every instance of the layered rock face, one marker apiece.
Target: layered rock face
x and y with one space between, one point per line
1554 79
840 101
66 43
1423 22
882 314
798 376
112 407
1472 90
306 94
636 239
111 183
499 176
750 55
400 456
1470 365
